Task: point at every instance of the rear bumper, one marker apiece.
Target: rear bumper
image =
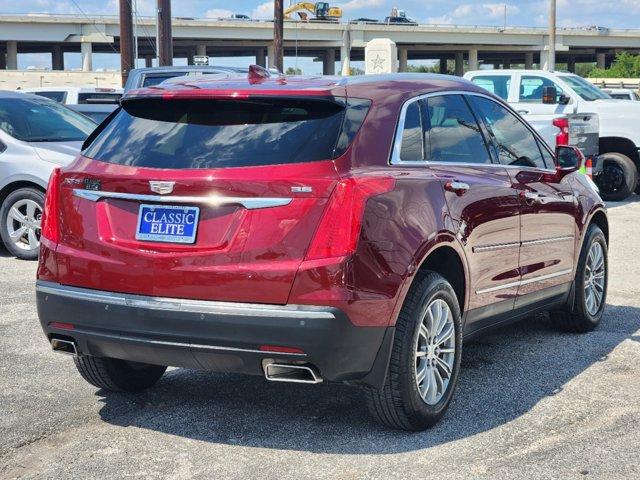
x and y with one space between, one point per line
216 336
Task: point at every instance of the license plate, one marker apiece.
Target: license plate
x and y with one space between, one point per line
167 223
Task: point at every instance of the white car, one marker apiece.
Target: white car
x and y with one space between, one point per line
79 95
36 135
622 94
538 94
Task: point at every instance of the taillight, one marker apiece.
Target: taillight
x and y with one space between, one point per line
49 221
562 138
339 229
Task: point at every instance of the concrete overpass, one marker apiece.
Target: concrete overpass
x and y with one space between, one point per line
466 45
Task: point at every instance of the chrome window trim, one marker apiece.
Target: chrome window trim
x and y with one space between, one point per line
250 203
527 281
180 304
397 141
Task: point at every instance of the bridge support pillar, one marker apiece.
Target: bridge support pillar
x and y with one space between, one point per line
329 62
403 56
459 64
261 57
57 58
86 51
345 53
473 59
443 66
271 56
528 61
12 55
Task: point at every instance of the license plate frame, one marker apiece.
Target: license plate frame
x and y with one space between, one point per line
161 233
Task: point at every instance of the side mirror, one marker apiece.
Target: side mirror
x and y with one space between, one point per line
568 159
549 95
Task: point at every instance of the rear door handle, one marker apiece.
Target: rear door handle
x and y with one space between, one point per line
459 188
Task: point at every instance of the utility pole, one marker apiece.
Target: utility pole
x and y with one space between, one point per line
126 39
278 34
164 38
551 64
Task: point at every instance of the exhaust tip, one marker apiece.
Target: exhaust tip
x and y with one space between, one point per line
283 372
68 347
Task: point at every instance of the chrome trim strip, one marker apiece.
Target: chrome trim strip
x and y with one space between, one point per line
525 282
496 246
542 241
249 203
183 305
501 246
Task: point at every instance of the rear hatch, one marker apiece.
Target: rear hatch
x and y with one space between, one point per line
212 199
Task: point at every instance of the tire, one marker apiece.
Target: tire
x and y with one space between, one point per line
399 404
619 177
28 202
118 375
580 316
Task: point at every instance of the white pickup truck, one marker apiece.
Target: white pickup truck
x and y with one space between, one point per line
541 96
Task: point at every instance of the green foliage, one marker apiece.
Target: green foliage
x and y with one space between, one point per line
293 71
625 65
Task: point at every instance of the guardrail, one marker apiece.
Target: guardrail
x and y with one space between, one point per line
633 83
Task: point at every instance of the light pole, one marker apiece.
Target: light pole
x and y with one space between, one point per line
551 63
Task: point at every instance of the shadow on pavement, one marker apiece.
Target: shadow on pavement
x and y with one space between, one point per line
504 375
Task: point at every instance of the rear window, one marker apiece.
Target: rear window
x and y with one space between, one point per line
98 97
226 133
56 96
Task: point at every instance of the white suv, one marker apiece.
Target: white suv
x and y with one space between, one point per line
537 94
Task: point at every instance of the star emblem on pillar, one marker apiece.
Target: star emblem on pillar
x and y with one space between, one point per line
378 62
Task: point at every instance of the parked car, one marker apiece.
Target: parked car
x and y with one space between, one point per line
149 77
314 229
622 94
36 135
79 95
537 93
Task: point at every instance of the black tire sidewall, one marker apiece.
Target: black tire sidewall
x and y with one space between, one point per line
630 175
594 234
435 287
22 193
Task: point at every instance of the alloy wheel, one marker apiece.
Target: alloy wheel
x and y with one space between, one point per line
435 352
594 278
23 224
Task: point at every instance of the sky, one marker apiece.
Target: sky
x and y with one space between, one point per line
571 13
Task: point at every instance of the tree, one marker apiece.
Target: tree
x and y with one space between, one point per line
293 71
625 65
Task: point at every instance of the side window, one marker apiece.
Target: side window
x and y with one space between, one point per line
412 145
515 143
454 133
497 84
531 88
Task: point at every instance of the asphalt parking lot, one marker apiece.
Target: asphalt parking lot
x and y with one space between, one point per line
531 403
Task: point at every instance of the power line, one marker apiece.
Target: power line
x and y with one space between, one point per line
92 23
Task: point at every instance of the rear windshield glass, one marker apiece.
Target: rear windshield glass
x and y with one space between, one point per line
222 133
33 119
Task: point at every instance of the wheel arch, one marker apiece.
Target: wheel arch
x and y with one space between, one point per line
17 184
620 145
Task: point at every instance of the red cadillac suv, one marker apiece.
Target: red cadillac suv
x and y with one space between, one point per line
314 229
